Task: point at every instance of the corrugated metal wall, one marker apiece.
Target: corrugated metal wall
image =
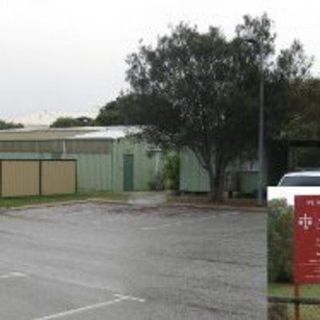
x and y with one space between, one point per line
147 162
94 172
99 162
193 178
56 147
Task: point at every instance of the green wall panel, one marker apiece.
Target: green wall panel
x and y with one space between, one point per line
105 171
94 172
18 155
146 164
193 177
248 181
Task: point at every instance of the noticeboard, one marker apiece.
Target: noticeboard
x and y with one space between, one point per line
306 243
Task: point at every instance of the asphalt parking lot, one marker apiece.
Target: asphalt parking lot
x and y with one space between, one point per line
116 262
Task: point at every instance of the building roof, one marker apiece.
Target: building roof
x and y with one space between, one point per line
114 132
29 134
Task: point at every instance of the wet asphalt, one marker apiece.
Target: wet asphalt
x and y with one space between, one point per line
135 262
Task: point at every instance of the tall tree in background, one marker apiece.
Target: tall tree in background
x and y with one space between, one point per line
67 122
300 94
285 77
9 125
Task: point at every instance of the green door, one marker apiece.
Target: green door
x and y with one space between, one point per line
128 172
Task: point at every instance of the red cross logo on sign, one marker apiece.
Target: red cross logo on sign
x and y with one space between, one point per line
305 222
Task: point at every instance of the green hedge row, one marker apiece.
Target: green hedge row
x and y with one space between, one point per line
280 240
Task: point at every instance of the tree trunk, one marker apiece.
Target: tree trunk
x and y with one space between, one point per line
216 183
212 193
216 172
219 183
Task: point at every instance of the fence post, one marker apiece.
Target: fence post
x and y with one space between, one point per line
40 177
0 178
297 302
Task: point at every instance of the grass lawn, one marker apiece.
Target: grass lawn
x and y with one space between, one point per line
32 200
287 290
307 312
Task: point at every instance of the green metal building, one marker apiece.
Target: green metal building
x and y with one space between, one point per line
241 175
108 158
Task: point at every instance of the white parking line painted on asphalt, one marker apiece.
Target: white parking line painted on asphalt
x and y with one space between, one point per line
12 275
130 298
119 298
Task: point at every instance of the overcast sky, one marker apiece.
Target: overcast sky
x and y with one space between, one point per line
69 55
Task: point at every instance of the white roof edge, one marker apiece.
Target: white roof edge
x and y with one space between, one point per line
114 132
48 129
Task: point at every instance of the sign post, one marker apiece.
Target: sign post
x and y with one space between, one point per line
297 304
306 244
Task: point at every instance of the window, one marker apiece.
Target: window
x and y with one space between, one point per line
301 181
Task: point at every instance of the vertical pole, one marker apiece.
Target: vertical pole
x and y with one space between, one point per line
40 177
261 128
297 302
1 178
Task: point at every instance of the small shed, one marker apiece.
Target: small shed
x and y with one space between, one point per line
108 158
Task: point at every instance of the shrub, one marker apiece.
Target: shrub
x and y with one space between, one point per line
280 239
171 171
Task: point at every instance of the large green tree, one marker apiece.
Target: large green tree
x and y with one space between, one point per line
200 83
206 91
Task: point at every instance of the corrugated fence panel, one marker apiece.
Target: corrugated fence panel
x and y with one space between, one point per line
19 178
58 177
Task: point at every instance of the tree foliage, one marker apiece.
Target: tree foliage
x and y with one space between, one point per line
109 115
204 90
200 82
127 109
65 122
9 125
